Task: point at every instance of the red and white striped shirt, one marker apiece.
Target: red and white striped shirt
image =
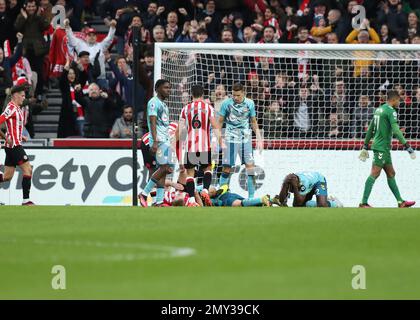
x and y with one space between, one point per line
197 117
169 197
14 123
172 129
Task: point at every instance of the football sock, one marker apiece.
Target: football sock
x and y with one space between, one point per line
311 204
149 186
190 186
251 186
392 184
160 193
370 181
207 180
26 186
224 179
251 202
332 204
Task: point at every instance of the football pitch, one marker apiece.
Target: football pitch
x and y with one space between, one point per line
208 253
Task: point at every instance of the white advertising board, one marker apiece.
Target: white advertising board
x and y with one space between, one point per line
103 177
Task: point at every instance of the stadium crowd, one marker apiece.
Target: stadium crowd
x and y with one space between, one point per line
295 98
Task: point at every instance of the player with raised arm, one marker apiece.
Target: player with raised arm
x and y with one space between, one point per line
238 113
159 139
304 185
382 127
15 154
196 120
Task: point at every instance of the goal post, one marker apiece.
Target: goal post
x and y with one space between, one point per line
313 102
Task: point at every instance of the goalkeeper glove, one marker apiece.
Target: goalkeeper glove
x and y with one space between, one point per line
410 150
364 154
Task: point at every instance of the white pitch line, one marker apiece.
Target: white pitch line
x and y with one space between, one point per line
153 251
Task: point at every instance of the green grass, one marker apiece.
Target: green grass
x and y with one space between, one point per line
240 253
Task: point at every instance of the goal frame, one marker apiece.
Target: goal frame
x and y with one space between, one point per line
160 46
349 144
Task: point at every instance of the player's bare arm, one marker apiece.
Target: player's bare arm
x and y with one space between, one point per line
216 127
153 132
221 120
256 128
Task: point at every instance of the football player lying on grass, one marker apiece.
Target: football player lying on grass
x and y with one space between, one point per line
304 185
224 198
182 199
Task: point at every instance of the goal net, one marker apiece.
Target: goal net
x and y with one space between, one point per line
313 104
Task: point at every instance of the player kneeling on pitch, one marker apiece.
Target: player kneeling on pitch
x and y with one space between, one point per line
304 185
225 198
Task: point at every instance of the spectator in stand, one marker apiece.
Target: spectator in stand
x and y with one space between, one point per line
413 26
149 64
265 70
123 74
218 96
123 126
409 116
332 38
227 36
365 34
238 26
6 66
303 36
145 36
86 72
335 24
151 16
273 121
71 118
270 20
159 34
319 24
93 47
253 89
98 113
335 128
304 113
124 17
32 25
392 15
269 35
202 36
212 19
188 34
46 9
362 115
385 36
6 31
416 39
249 35
347 18
172 29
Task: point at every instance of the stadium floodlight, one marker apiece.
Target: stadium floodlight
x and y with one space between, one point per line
307 96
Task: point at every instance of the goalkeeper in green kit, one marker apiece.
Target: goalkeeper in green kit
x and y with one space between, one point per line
383 126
